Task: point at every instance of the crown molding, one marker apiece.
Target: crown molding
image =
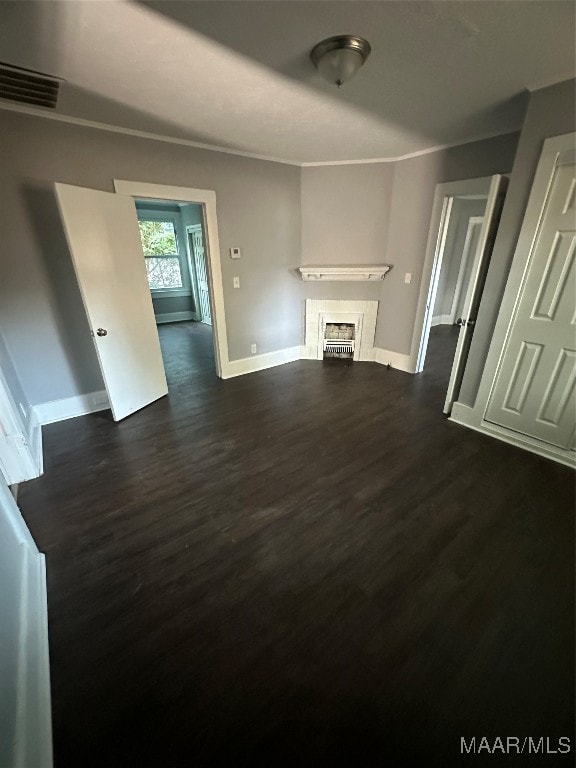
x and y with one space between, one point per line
37 112
48 115
410 155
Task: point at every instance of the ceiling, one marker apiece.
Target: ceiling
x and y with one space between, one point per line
236 75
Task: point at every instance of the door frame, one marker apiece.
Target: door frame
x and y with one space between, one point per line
207 199
439 222
473 417
20 447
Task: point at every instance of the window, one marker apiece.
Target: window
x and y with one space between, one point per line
160 247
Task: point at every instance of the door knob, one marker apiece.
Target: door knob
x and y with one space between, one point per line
459 321
101 332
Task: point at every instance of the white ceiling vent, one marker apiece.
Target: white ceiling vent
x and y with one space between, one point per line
27 86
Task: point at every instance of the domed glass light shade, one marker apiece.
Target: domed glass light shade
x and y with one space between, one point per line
339 58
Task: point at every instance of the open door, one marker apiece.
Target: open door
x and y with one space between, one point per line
104 241
480 264
199 254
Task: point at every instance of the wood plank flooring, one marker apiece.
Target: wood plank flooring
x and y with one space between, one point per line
306 566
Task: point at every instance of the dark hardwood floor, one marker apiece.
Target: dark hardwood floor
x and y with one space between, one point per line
306 566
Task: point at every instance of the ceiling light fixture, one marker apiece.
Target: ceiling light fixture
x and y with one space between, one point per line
339 58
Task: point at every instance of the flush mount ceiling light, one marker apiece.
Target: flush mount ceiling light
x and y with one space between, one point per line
339 58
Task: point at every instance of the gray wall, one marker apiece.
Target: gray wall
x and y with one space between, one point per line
380 212
345 212
551 112
280 216
15 387
41 313
415 182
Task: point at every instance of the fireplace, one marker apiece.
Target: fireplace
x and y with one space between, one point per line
341 329
339 341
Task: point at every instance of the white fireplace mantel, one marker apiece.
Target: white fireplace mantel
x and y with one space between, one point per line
366 272
321 311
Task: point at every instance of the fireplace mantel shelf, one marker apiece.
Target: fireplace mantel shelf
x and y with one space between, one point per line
366 272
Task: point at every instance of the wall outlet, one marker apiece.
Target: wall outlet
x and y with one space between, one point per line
408 277
253 349
236 282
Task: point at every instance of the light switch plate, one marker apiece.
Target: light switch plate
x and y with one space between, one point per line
235 253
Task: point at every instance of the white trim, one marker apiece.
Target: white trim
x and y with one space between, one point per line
38 112
33 736
25 613
346 273
69 407
395 360
465 416
261 362
35 442
207 199
174 317
417 153
20 443
439 219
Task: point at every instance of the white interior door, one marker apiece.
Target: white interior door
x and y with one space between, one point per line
104 241
480 262
199 253
535 383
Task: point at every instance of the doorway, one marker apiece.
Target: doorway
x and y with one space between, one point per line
206 199
464 219
174 251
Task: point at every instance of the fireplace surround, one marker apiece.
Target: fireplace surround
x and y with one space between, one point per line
360 314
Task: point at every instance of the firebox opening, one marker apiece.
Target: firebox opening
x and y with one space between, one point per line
339 340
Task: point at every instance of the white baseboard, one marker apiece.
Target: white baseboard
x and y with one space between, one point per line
36 441
69 407
175 317
395 359
466 416
260 362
